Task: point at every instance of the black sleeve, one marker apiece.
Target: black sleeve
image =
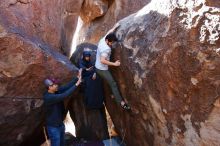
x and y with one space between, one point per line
67 86
54 98
81 65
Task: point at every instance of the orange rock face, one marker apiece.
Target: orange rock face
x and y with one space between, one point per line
93 9
31 35
48 22
30 39
213 3
23 67
100 15
169 74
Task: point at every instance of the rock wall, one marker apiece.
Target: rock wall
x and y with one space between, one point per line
32 32
30 39
49 22
169 74
169 52
99 16
23 67
69 19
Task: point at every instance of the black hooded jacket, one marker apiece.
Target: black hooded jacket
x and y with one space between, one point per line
93 89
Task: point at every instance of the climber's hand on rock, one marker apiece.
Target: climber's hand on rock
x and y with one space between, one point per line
117 63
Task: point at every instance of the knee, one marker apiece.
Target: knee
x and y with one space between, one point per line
113 83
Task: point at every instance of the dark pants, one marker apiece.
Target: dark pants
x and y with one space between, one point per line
106 75
93 92
56 135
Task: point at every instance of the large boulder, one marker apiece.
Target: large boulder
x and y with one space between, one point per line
31 35
50 22
23 67
99 16
169 74
32 32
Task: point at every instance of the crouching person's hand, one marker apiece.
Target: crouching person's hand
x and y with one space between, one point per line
79 81
79 73
94 76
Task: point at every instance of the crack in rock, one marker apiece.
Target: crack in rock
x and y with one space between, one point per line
19 1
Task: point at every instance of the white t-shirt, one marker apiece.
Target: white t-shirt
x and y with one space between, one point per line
102 50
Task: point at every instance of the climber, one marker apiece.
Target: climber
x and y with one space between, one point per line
102 63
55 110
92 83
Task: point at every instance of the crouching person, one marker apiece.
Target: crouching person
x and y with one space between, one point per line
55 110
92 83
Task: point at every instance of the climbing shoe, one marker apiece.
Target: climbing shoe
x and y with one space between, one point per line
126 106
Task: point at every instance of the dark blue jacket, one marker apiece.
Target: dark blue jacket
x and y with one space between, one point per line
83 64
93 89
54 105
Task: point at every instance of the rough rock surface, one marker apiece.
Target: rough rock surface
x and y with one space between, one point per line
213 3
93 9
169 74
97 20
31 33
23 67
51 22
69 19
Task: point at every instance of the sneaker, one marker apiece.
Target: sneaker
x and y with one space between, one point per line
126 106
